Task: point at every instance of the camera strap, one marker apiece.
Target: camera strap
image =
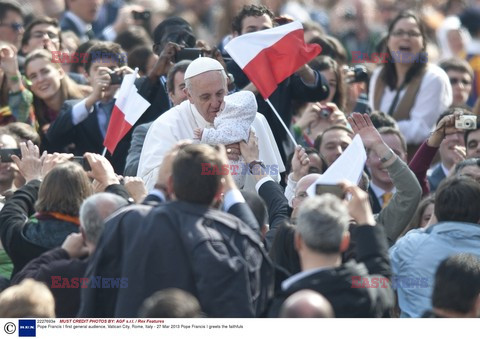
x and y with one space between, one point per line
395 100
402 111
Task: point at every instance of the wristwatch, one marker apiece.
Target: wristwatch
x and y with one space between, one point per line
387 156
256 162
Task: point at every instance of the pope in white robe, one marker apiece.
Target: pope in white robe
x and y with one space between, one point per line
179 122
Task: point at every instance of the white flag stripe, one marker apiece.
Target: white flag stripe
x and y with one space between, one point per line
124 90
129 101
134 107
245 48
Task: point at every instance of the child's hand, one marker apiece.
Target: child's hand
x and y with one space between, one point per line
197 133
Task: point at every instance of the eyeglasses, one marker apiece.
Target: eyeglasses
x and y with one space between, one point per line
16 26
454 81
40 35
410 34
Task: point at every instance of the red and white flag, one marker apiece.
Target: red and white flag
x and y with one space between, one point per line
128 108
270 56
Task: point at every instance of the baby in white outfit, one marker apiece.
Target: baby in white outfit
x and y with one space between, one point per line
232 125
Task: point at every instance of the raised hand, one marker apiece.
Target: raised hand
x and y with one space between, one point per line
300 164
30 165
363 126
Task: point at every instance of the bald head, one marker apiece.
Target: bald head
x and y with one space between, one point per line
300 190
306 304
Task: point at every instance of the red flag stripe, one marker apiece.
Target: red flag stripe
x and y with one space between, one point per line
117 129
277 62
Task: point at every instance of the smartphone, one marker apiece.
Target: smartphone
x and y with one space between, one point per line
188 54
82 161
144 16
6 154
116 79
336 190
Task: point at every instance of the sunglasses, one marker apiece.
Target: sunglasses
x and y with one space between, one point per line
454 81
16 26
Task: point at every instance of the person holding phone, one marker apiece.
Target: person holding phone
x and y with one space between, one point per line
85 122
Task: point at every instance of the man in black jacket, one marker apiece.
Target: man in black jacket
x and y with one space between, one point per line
354 289
185 244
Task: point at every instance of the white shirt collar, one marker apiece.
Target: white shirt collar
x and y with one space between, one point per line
445 170
300 275
82 26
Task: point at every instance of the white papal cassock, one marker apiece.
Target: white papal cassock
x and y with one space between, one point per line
178 123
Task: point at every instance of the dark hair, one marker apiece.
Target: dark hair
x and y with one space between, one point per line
390 75
331 47
9 5
458 65
191 182
250 10
470 18
170 303
184 35
308 151
457 200
464 109
468 131
380 119
457 283
180 66
132 37
64 189
326 63
81 50
113 50
319 138
283 251
138 57
44 20
23 131
417 217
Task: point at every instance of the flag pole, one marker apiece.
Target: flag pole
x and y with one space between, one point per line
281 121
104 151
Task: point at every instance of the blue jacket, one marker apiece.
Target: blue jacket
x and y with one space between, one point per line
416 256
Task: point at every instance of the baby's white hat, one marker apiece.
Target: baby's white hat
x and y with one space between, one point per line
242 101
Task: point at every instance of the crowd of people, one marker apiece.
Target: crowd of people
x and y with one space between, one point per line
205 207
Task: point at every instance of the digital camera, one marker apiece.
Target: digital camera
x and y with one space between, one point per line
466 122
325 112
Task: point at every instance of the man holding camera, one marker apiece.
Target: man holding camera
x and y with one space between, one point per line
85 122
